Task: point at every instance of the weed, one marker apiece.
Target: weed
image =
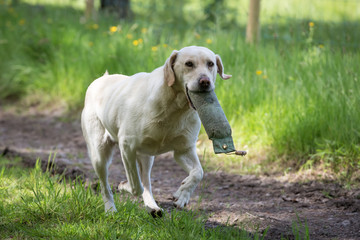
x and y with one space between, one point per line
300 230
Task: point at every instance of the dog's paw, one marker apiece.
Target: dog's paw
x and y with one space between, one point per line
182 199
156 213
110 208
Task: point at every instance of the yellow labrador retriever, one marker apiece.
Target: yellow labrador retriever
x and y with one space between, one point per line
145 115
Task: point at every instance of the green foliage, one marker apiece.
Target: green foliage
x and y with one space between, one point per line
293 94
37 205
300 230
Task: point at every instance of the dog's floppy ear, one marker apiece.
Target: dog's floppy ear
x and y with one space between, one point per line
169 74
220 68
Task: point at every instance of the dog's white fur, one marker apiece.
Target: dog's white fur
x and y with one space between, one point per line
148 114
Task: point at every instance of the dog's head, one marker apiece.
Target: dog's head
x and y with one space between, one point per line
193 68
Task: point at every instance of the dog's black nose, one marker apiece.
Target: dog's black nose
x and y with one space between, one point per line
204 82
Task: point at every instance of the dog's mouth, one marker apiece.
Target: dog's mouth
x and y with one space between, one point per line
189 99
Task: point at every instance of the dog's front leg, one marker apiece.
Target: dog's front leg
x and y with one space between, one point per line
145 163
189 161
133 185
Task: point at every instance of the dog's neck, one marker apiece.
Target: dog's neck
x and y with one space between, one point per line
173 100
181 101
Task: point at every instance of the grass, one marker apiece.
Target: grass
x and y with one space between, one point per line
36 205
294 97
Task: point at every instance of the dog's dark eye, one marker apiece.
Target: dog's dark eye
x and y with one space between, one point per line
210 64
189 64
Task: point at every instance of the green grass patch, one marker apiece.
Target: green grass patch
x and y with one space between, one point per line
36 205
294 97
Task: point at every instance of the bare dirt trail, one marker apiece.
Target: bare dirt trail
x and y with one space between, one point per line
247 201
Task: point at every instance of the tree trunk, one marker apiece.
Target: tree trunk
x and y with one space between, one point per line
90 10
119 7
253 25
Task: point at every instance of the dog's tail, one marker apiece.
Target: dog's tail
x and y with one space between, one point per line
106 73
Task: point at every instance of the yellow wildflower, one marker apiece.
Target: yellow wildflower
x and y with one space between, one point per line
136 42
144 30
95 26
154 48
208 41
129 36
165 45
140 40
265 77
311 24
21 22
258 72
321 46
113 29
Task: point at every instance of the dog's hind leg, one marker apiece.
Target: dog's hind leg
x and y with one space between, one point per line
145 163
128 156
189 161
100 148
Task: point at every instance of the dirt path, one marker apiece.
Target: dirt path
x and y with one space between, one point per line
330 211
